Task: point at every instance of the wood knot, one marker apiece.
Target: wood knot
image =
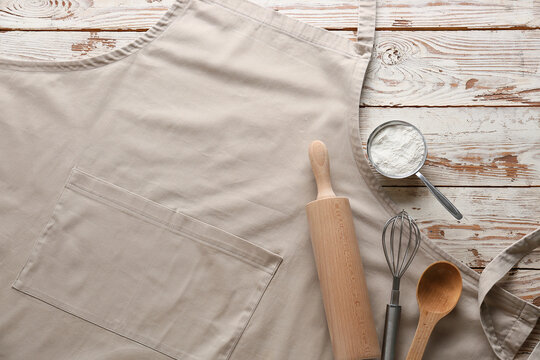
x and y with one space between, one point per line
392 56
45 9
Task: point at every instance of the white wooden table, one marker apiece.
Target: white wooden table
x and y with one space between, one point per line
466 73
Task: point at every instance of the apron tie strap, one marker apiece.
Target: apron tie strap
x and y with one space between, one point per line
507 346
365 32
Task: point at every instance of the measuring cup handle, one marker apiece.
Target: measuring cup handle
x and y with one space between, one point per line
442 199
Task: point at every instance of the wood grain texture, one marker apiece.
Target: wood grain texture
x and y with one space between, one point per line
330 14
494 218
61 45
342 280
524 283
339 266
70 45
469 146
141 14
438 293
81 14
454 68
452 14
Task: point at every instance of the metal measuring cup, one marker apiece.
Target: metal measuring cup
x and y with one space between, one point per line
442 199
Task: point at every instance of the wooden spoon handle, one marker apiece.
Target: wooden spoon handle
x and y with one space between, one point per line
320 164
426 323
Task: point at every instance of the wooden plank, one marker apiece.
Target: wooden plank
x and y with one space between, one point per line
469 146
61 45
81 14
452 14
417 14
493 219
420 68
141 14
70 45
331 14
523 283
454 68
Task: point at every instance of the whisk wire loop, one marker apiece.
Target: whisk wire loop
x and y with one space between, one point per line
400 252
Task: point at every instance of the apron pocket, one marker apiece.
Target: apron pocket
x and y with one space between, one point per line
158 277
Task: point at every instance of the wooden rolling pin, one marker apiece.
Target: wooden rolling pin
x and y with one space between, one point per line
341 275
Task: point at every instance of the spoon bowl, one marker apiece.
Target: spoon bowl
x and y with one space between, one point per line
438 292
439 288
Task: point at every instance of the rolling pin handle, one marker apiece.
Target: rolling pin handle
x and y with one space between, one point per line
320 164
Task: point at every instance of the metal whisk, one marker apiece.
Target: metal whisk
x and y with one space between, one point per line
399 253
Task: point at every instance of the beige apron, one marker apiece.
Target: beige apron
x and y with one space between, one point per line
152 199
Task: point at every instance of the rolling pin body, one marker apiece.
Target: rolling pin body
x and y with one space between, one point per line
339 266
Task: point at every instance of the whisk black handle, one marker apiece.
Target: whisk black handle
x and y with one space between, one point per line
391 325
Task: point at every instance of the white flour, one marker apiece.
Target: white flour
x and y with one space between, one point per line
397 150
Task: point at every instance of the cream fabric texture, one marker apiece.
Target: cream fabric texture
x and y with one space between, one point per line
152 199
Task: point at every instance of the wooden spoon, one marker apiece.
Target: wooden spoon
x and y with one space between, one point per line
438 292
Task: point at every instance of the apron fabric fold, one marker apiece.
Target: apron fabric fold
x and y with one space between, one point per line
152 199
503 340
